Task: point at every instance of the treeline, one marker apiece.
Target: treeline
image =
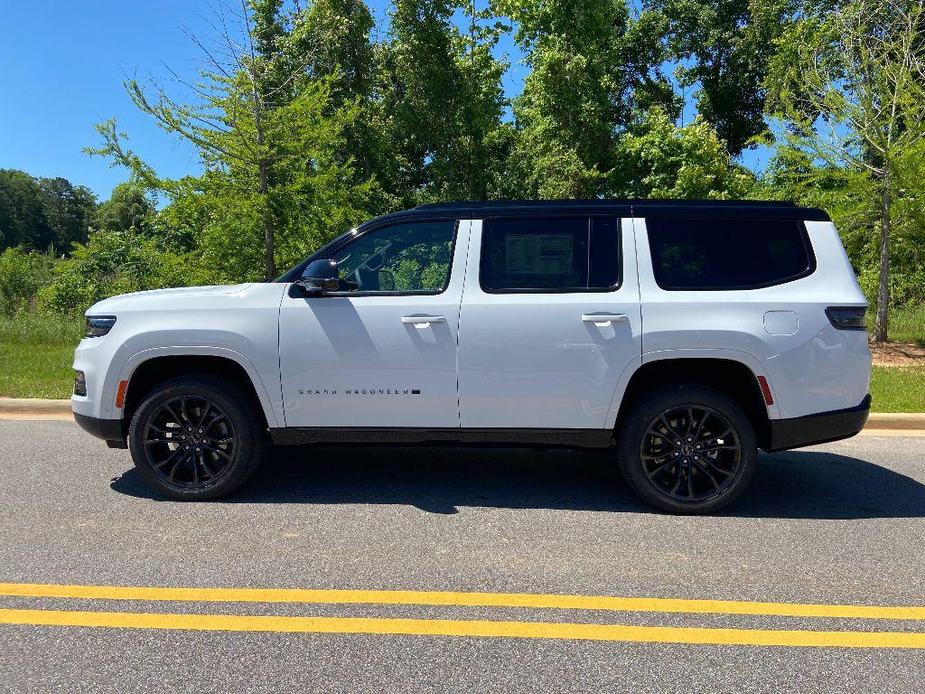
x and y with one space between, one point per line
45 226
309 118
49 214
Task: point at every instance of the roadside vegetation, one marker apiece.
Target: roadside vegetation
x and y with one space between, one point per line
316 119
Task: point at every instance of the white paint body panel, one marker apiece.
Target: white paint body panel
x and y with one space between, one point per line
815 369
238 322
530 361
352 362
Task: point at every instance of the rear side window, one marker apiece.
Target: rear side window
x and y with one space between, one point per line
717 254
552 254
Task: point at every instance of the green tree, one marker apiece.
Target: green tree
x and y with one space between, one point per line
22 212
850 87
68 210
439 103
112 262
662 160
270 144
593 72
724 48
129 208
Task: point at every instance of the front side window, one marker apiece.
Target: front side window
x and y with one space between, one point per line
727 254
552 254
409 257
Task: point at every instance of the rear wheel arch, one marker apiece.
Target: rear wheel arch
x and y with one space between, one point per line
731 377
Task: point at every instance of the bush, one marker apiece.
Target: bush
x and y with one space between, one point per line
22 274
114 263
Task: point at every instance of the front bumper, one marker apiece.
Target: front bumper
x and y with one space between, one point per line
818 428
110 430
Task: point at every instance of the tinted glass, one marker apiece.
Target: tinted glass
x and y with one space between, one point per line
550 254
727 253
410 257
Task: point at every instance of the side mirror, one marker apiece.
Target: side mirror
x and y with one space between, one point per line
320 276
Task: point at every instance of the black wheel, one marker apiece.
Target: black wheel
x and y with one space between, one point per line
195 438
687 449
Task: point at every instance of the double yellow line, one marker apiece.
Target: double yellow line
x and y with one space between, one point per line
471 628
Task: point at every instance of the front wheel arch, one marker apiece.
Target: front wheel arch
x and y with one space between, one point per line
156 370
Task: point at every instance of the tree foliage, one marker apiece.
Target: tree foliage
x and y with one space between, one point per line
593 70
662 160
43 213
850 87
724 49
309 117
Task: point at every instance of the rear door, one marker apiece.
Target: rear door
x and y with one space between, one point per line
550 321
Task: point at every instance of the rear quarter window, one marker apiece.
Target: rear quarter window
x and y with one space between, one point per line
728 254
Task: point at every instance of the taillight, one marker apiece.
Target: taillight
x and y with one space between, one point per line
847 317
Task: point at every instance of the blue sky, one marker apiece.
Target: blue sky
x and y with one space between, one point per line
61 70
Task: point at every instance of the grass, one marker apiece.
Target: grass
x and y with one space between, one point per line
36 352
897 389
906 324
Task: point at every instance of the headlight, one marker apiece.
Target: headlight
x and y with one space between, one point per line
99 325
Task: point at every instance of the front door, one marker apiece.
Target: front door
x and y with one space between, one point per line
381 351
550 322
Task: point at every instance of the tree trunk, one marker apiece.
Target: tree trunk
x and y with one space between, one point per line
264 188
268 237
883 291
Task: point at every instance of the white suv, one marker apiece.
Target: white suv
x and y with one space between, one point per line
683 335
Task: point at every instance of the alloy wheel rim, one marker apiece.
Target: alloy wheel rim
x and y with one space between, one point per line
691 453
190 442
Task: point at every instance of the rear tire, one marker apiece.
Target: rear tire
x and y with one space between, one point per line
687 449
196 438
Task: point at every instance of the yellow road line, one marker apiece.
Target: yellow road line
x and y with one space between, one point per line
475 628
459 599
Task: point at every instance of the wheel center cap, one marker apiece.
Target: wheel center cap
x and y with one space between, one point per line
687 450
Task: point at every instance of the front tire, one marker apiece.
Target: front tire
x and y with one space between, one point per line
687 449
196 438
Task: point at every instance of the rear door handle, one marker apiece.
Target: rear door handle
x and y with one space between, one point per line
422 322
604 319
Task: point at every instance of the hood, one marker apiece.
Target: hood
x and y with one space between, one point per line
177 297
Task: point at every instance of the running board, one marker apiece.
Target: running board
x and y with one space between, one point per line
566 438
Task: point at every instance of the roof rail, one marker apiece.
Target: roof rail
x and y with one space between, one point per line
539 204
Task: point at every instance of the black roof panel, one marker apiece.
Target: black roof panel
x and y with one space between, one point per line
635 208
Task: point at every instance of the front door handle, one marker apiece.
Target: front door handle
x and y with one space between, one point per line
422 322
604 319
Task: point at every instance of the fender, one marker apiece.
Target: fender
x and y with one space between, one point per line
271 409
744 358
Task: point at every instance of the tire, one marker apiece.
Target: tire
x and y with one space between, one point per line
683 478
218 447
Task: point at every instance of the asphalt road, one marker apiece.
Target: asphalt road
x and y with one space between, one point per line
835 525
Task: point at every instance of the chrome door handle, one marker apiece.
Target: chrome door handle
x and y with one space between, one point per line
604 319
422 322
